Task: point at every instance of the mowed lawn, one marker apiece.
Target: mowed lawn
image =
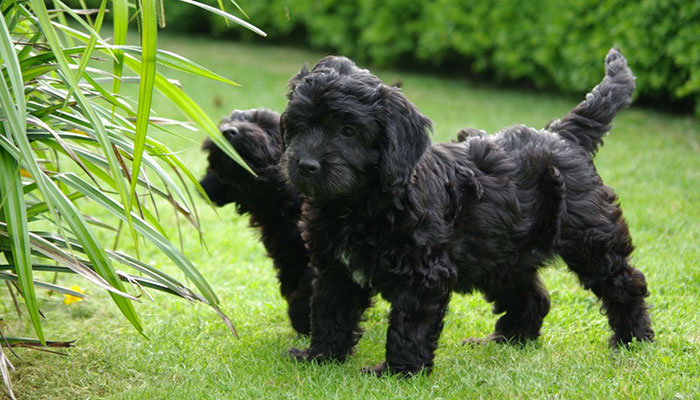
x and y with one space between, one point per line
652 159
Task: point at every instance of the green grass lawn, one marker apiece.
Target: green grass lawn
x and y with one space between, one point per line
651 159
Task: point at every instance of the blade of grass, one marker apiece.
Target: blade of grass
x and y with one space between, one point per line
222 8
91 160
180 63
182 101
120 13
59 289
62 18
149 43
41 207
32 72
45 248
127 146
94 164
19 341
68 151
156 275
11 62
94 249
160 151
5 367
11 181
93 32
240 9
228 16
47 58
16 220
192 110
10 147
161 242
28 47
116 102
47 26
91 44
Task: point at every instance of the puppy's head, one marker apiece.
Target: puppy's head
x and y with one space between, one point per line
345 131
256 137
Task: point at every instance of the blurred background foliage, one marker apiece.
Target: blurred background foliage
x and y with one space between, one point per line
552 44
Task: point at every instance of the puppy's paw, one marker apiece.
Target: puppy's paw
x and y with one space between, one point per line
299 355
309 355
378 370
473 341
482 341
644 335
382 369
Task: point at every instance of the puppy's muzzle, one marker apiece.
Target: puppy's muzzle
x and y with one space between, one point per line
308 167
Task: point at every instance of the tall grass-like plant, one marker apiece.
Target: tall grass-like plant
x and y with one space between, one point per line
66 134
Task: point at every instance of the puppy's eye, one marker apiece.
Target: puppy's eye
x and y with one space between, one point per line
348 131
230 131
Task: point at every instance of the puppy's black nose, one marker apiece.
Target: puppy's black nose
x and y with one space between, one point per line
308 167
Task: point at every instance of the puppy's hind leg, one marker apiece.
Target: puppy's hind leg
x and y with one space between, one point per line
597 248
525 302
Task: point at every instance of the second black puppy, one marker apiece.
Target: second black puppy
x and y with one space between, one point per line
387 212
273 205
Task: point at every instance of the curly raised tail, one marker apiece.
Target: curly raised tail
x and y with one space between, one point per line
586 124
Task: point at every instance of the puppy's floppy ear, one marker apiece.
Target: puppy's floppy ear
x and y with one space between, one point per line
217 191
294 80
270 122
404 140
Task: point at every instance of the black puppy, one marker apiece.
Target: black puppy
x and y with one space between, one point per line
273 205
387 212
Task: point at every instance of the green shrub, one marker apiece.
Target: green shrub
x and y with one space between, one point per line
548 44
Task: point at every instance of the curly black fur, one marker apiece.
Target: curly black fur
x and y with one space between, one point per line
387 212
273 205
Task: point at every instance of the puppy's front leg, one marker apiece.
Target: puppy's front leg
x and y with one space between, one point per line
415 324
337 305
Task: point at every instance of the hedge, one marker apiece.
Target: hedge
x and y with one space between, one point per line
547 43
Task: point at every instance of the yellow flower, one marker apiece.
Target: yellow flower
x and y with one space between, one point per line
69 299
23 172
